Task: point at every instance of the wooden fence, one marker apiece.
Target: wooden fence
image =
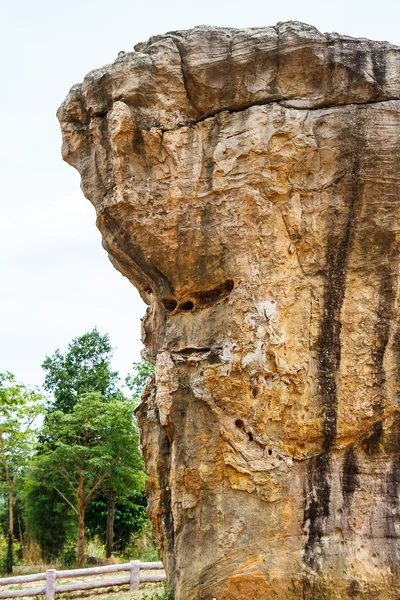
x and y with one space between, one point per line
50 588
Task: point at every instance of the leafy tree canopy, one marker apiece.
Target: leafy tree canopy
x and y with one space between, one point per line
91 447
20 406
86 367
47 519
135 382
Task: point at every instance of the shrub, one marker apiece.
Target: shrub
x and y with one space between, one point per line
141 547
68 556
167 594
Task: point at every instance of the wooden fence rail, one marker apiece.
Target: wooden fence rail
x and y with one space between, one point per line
134 579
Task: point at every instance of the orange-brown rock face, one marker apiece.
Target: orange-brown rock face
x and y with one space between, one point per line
248 183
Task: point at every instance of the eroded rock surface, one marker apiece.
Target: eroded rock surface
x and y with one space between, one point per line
247 182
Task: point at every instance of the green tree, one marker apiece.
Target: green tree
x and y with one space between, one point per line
136 381
124 478
91 448
86 367
130 519
120 489
47 518
20 406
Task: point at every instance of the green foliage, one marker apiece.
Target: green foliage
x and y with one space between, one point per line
167 594
89 434
142 371
20 406
68 556
94 447
3 554
141 546
96 441
48 520
86 367
131 520
95 548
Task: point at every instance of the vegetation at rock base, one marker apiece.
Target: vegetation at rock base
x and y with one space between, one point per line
19 408
71 475
92 448
166 594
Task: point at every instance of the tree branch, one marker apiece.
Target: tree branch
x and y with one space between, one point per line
94 488
5 463
66 499
66 476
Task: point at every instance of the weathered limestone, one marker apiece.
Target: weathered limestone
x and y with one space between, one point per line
248 183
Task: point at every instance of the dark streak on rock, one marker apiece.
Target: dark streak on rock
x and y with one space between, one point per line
354 588
392 498
378 57
396 350
329 340
372 444
317 497
317 494
387 297
350 479
163 473
184 70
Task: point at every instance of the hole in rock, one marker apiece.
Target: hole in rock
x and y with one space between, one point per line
169 304
148 290
354 588
337 532
250 436
270 452
214 358
189 351
256 392
187 305
210 297
239 423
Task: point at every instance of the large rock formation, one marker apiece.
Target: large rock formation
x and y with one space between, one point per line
247 182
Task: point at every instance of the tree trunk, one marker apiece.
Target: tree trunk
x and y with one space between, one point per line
21 537
80 548
110 525
10 536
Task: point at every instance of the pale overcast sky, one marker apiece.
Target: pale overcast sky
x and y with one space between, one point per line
56 280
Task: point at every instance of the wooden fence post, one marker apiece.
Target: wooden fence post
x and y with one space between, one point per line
134 581
51 575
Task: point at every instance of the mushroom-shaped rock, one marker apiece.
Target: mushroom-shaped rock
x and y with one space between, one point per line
247 183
